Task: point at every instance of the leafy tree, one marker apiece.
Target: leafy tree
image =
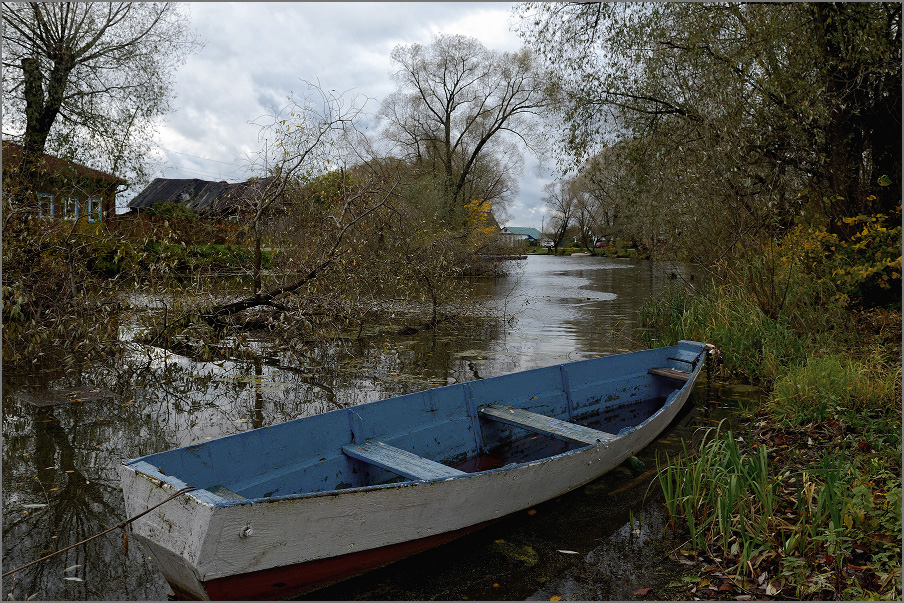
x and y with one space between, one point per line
741 117
456 101
88 80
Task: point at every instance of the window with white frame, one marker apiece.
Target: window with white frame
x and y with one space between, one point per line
45 205
70 208
95 209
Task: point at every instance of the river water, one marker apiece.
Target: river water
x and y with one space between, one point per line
60 482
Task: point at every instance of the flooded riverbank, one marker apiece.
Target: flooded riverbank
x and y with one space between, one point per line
61 485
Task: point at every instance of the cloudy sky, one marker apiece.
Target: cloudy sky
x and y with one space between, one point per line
255 54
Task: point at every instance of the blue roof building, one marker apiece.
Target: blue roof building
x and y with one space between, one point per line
521 232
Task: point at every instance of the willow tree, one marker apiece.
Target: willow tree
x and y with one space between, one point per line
745 115
455 104
89 80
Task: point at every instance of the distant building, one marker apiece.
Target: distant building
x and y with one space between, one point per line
201 196
515 234
65 189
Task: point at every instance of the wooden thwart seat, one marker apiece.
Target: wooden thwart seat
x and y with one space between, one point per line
224 492
563 430
399 461
670 373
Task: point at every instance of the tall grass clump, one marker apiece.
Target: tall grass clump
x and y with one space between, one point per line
790 302
753 345
832 384
719 487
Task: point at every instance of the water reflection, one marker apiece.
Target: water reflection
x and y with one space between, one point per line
60 486
60 480
570 308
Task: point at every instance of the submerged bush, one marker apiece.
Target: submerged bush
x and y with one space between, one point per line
58 299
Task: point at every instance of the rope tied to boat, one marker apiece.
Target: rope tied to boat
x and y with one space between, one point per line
121 524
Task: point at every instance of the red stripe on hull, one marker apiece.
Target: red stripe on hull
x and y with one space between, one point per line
292 580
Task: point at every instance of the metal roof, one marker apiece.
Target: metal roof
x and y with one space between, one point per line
202 196
56 166
533 233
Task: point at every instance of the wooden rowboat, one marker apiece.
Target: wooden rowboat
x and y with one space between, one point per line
282 510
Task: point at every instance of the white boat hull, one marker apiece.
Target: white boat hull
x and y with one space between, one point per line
196 543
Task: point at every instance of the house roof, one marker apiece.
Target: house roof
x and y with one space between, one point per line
202 196
532 233
12 157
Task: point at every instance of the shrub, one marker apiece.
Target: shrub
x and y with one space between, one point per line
170 209
864 270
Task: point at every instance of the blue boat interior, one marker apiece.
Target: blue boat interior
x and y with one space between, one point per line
441 433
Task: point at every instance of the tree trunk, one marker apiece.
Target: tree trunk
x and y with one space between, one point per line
257 261
41 111
34 142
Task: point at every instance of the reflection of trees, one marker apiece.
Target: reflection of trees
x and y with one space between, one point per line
75 476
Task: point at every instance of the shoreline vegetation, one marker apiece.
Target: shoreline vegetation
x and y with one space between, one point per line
71 287
803 500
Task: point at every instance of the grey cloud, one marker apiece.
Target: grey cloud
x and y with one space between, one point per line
256 54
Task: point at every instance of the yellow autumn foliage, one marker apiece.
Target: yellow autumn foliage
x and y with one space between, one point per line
482 227
862 269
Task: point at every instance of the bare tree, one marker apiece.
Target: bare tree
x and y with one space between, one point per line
308 137
88 80
455 100
494 178
559 198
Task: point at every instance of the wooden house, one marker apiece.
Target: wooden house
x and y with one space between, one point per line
64 189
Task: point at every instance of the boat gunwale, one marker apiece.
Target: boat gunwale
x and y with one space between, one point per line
206 497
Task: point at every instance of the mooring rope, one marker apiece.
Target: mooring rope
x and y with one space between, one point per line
121 524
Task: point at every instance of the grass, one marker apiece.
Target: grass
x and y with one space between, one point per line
804 501
720 487
809 389
825 529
